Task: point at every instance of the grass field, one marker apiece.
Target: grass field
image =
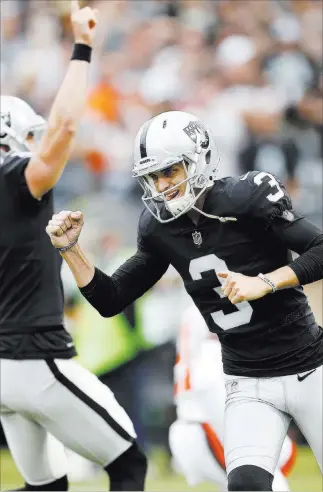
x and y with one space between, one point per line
305 477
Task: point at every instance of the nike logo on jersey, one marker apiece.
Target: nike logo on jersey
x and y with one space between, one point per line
70 344
301 378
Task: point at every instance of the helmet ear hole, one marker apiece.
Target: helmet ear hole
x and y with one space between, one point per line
208 157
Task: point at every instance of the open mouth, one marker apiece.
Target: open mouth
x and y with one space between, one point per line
171 195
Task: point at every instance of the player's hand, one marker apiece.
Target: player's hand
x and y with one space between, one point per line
84 23
238 287
64 228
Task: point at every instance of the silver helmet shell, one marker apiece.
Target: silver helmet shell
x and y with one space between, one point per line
170 138
17 121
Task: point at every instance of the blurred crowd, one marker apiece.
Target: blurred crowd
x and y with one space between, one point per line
252 70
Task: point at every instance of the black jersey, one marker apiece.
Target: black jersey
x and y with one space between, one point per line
272 336
31 293
276 334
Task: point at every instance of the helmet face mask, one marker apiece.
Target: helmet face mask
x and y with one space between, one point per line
17 123
159 202
187 142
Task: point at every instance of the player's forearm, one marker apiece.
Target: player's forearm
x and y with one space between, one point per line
64 118
49 160
70 101
110 295
80 265
283 278
97 287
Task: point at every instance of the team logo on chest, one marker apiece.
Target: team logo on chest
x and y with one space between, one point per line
197 238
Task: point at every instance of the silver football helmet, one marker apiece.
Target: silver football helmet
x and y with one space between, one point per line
170 138
17 121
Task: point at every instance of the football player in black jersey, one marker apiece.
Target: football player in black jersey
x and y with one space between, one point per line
230 240
47 398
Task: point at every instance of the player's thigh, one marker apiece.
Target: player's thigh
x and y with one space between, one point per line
254 429
304 399
82 413
193 454
39 457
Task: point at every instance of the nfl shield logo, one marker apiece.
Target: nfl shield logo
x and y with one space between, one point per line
197 238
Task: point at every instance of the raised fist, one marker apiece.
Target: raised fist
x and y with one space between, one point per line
84 23
64 228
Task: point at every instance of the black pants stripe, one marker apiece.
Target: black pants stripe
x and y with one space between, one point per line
88 401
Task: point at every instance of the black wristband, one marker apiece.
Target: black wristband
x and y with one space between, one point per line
82 52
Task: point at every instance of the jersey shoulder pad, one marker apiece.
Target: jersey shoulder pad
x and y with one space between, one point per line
15 162
261 195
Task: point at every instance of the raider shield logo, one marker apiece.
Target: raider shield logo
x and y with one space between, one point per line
6 119
195 127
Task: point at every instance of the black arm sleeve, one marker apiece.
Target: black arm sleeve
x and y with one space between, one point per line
111 295
306 239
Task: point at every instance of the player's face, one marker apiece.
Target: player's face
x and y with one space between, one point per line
168 178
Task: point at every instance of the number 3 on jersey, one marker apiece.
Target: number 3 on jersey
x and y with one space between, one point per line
258 179
224 321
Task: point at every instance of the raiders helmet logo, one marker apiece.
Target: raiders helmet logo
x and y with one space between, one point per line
6 119
195 127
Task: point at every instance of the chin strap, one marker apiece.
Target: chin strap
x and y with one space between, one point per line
183 202
177 206
221 219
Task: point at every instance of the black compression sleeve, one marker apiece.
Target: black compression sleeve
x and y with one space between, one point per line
111 295
308 267
102 295
306 239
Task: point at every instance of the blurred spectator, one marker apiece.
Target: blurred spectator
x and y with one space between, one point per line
40 64
11 43
288 66
250 69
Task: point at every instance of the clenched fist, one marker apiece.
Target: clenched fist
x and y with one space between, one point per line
64 228
84 22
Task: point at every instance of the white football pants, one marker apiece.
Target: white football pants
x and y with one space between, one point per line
197 459
41 399
258 413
